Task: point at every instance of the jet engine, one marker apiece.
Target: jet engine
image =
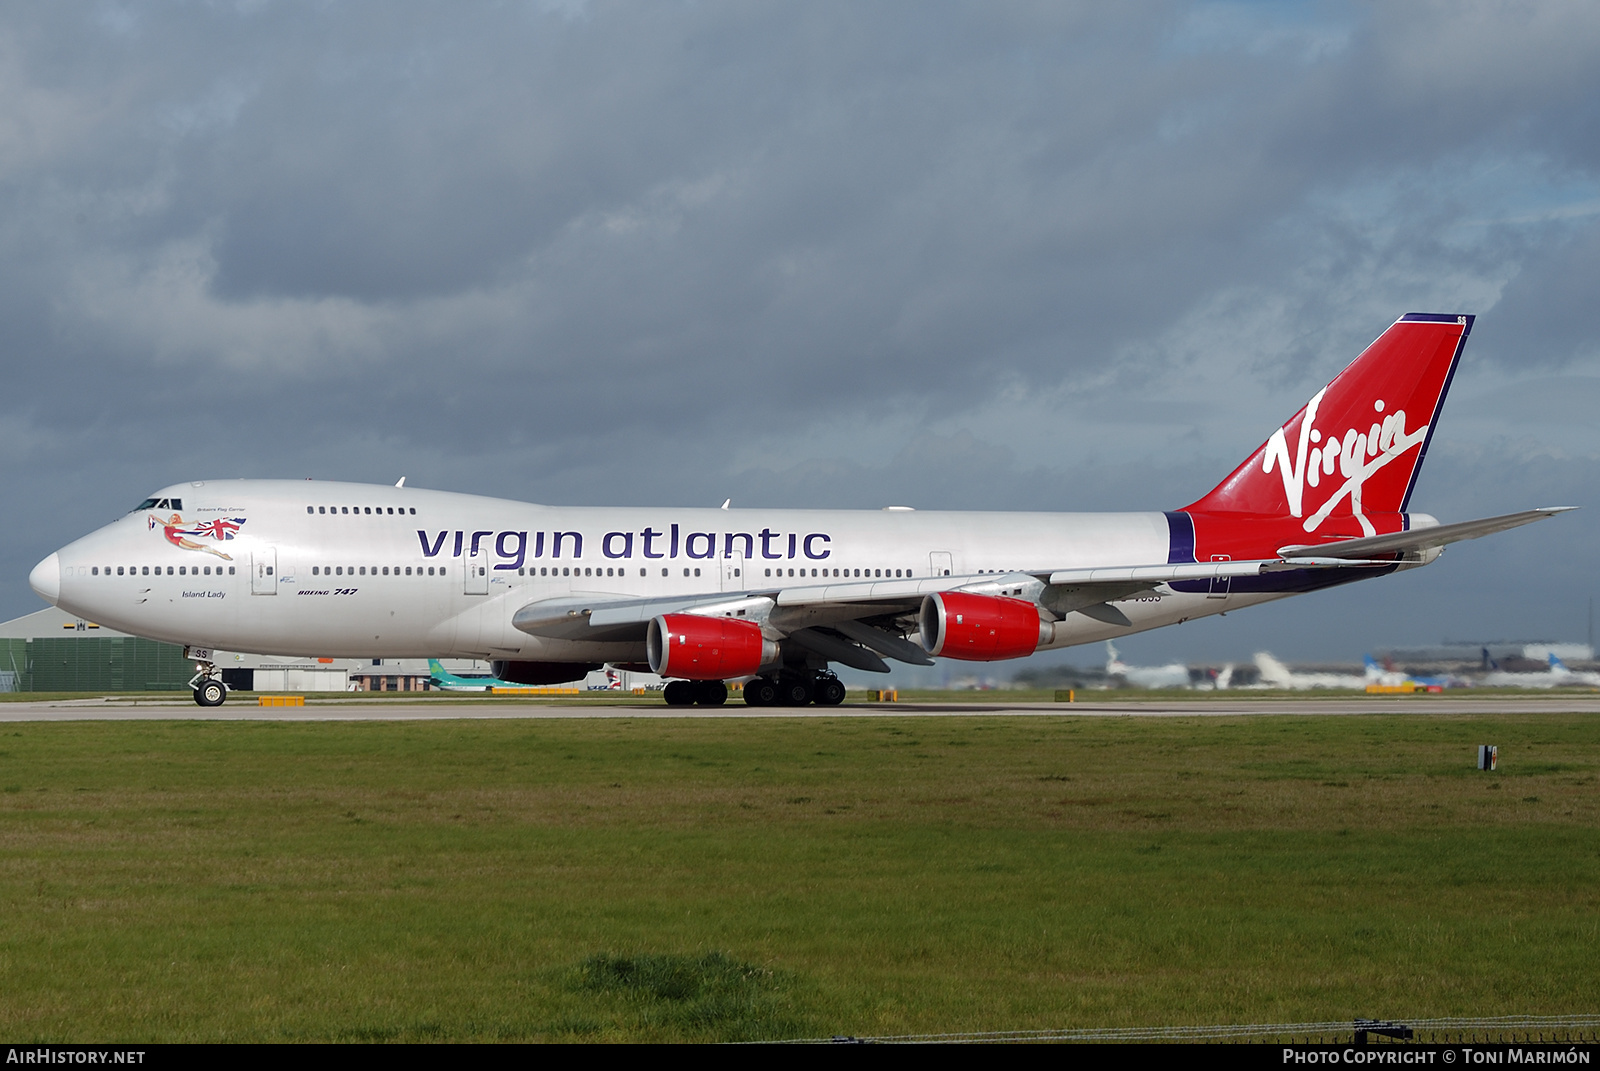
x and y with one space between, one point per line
981 628
536 673
707 648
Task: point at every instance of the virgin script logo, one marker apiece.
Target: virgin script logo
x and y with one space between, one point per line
1356 454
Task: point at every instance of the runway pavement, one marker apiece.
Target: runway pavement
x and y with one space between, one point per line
238 709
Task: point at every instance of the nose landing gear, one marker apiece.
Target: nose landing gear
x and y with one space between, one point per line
209 691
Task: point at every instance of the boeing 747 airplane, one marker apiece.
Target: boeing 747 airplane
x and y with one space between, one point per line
702 596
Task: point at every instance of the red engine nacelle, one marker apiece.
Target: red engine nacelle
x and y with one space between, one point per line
981 628
707 648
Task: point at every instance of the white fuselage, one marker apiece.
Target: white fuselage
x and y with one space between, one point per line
356 570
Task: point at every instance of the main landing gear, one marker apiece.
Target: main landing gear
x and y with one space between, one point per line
788 690
695 693
209 691
795 690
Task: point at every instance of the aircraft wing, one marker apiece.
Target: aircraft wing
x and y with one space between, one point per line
839 618
1423 538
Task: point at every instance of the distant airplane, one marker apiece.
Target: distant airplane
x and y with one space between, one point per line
1274 674
1557 675
1391 677
774 596
1173 675
472 682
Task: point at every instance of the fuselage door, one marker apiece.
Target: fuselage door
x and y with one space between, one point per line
475 572
733 572
1220 585
264 571
939 562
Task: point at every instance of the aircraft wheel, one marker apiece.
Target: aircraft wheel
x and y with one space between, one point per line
678 694
710 693
210 694
760 692
829 692
794 692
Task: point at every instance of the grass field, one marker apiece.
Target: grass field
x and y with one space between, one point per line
665 879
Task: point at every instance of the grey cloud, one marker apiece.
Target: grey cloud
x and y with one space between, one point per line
520 250
1547 315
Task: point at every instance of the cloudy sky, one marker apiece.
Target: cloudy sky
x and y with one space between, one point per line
1055 256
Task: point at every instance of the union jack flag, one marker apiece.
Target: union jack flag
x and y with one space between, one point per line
221 528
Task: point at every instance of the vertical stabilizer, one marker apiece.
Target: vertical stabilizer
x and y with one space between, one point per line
1357 446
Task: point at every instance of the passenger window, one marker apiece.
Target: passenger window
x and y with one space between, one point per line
322 509
441 570
311 509
314 571
363 570
369 510
408 570
413 511
338 570
346 509
697 572
542 571
119 570
94 570
663 572
146 570
230 570
208 570
269 570
641 572
169 570
736 572
686 571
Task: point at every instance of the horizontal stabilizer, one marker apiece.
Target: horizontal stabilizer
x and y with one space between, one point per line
1422 538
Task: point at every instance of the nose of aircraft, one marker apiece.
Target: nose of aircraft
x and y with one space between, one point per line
46 579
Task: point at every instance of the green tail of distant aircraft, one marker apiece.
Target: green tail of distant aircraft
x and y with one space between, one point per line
450 682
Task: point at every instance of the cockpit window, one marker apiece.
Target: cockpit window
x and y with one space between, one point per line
160 503
149 503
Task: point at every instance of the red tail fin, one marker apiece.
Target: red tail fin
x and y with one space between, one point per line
1357 445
